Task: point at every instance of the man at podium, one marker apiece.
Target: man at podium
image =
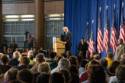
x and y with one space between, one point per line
66 38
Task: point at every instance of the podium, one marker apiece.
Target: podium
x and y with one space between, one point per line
58 46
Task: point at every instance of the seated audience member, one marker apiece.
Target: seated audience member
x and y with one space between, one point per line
24 63
74 78
57 77
122 59
112 68
96 74
119 75
62 64
109 59
66 75
10 75
52 61
9 53
73 61
120 50
25 76
43 78
15 59
4 67
39 59
44 67
82 66
31 57
84 75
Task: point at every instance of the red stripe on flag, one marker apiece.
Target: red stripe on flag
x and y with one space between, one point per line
113 40
91 47
99 41
122 33
106 40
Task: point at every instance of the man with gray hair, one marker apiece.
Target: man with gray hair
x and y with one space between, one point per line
66 38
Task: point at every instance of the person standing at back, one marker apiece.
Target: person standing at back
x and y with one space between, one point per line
66 38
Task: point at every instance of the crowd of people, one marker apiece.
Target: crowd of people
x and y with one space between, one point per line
40 66
31 66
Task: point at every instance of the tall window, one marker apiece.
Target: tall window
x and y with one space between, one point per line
53 28
15 27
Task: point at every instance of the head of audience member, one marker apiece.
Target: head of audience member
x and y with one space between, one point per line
68 54
1 54
120 41
53 55
122 59
97 74
110 55
66 75
10 74
30 53
65 29
43 78
4 59
83 63
40 58
113 67
73 61
93 62
96 57
74 75
104 63
57 77
44 67
24 60
120 74
25 75
63 63
16 55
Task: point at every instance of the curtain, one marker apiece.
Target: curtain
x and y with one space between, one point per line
78 12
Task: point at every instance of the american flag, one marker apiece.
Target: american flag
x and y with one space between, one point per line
91 46
99 40
106 39
122 32
106 33
122 26
113 40
99 34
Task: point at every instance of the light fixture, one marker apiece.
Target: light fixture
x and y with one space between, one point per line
11 20
12 16
27 16
54 15
27 19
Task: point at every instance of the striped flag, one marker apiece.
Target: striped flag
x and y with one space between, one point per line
106 39
99 35
106 33
99 40
122 32
122 26
113 39
91 45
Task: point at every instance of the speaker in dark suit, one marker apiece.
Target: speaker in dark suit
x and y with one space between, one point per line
66 38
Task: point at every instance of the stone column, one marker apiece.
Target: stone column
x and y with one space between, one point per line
1 23
39 14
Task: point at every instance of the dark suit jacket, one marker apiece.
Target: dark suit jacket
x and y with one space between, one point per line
66 37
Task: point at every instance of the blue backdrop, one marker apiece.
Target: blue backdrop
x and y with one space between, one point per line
79 12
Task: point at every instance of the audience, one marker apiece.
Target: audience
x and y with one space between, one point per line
47 67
